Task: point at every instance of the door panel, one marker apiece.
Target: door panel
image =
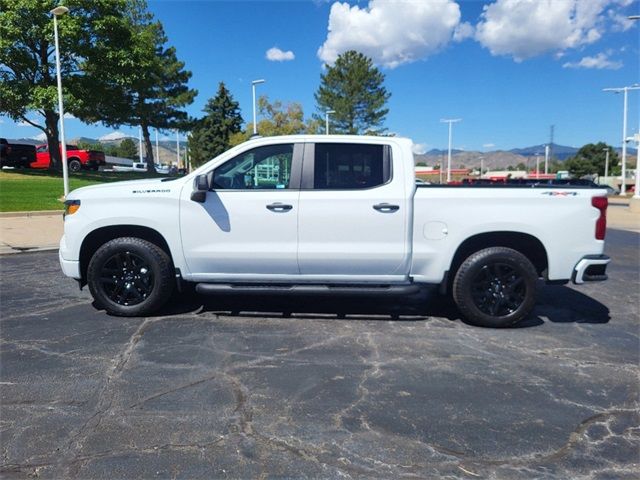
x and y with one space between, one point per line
354 220
248 224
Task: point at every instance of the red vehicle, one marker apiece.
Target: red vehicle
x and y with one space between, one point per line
76 159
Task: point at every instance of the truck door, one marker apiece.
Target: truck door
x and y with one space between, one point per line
353 212
248 225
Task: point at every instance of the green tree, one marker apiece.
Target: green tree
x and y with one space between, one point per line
28 90
278 118
353 88
145 83
211 135
591 159
128 149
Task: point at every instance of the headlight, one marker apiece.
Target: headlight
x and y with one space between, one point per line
71 207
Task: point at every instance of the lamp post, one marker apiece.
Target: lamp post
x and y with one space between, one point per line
606 162
450 121
253 91
58 11
177 148
546 159
326 120
625 91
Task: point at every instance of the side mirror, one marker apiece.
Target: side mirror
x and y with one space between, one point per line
200 188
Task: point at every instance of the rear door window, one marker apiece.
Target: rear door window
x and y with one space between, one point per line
344 166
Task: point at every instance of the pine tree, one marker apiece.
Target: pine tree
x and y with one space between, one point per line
211 135
353 88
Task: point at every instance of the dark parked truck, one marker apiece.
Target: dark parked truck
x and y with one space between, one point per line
16 154
77 159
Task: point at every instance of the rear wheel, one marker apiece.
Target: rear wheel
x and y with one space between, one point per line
495 287
75 165
130 277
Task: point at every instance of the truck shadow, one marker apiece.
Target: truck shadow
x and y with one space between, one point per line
557 304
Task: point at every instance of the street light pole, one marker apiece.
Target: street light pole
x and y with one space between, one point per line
253 91
326 120
625 91
450 121
177 148
546 159
606 162
63 146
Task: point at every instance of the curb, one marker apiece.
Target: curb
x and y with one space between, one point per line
41 213
6 251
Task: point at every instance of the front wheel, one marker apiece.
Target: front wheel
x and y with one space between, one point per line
495 287
130 277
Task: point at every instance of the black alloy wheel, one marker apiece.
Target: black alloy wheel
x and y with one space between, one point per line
498 289
127 279
495 287
130 276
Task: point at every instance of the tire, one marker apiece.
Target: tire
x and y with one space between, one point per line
495 287
75 165
130 277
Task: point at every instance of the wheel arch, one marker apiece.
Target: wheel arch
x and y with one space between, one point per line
102 235
527 244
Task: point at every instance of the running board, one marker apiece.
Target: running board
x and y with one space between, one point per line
365 290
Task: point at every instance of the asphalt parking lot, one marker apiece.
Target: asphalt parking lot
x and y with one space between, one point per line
318 388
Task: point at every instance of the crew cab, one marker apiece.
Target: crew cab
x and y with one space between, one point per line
77 159
330 214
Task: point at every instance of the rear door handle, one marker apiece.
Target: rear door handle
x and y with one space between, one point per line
386 207
279 207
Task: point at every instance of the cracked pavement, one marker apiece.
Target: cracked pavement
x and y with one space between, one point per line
255 387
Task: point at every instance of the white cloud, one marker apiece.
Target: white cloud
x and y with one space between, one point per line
619 21
276 55
391 32
488 145
527 28
463 31
601 62
419 148
41 137
69 116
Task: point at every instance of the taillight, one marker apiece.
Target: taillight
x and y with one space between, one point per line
601 204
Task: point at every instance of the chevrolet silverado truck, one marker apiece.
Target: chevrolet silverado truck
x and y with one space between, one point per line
77 159
329 215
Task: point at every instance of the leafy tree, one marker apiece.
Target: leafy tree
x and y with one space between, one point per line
212 133
128 149
591 159
146 84
28 86
278 118
353 88
84 145
521 166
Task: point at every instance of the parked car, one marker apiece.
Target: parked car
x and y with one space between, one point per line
329 215
610 190
76 159
16 155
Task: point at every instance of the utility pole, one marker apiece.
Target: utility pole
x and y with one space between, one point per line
552 131
546 159
606 162
625 91
450 121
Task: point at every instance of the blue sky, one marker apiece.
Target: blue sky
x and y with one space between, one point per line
508 68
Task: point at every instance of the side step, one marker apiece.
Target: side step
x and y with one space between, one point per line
258 289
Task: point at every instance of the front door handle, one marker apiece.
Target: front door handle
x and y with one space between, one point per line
279 207
386 207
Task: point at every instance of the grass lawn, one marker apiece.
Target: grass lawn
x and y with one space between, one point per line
27 190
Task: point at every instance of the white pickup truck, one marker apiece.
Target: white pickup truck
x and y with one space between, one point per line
329 215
